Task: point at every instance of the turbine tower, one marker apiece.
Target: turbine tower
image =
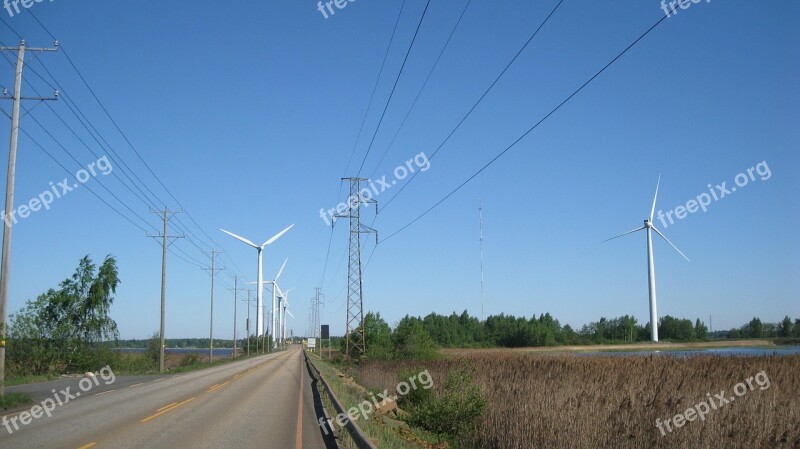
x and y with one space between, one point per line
651 270
283 306
273 317
260 291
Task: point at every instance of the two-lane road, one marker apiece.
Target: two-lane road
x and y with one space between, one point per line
263 402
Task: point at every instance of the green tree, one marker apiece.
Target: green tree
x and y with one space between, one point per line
785 327
753 329
378 336
65 329
412 341
700 330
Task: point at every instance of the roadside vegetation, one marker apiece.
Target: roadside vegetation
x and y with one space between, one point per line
69 330
488 397
558 401
14 400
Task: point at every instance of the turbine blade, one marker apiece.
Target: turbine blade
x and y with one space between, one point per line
277 236
673 245
655 197
290 313
623 235
241 239
281 270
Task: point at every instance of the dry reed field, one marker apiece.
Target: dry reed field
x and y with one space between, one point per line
564 401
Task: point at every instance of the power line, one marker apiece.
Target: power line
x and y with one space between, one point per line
84 121
122 133
61 119
424 85
372 96
391 94
360 131
474 106
536 125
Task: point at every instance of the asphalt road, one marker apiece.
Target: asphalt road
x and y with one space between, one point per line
264 402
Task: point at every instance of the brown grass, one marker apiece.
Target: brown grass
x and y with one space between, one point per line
564 401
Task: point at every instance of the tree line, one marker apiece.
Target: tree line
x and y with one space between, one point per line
418 337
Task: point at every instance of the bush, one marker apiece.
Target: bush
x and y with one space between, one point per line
153 350
455 411
190 359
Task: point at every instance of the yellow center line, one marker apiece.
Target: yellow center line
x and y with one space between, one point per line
136 385
166 406
87 446
159 380
105 392
214 386
217 387
166 410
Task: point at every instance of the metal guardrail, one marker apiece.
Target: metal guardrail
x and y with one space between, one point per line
361 441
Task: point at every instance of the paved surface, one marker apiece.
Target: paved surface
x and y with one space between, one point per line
263 402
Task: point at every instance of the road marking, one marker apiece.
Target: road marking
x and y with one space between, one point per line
166 406
87 446
217 387
169 409
158 380
136 385
105 392
298 442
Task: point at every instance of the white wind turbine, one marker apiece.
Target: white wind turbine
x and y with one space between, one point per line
275 306
260 292
651 271
283 309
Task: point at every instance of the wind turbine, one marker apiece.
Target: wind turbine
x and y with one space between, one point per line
260 292
651 270
275 290
281 311
285 311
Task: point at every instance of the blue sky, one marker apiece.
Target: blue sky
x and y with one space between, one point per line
248 112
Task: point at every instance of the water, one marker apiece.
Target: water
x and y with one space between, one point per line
728 352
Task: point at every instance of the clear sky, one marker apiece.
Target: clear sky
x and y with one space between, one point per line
248 112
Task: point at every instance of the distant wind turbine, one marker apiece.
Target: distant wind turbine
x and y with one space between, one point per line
275 306
283 309
260 292
651 270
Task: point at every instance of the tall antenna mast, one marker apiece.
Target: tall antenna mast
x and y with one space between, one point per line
480 215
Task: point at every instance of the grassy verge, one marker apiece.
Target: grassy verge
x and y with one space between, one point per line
22 380
385 431
136 364
14 400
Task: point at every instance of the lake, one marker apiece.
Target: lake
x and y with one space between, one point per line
730 352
